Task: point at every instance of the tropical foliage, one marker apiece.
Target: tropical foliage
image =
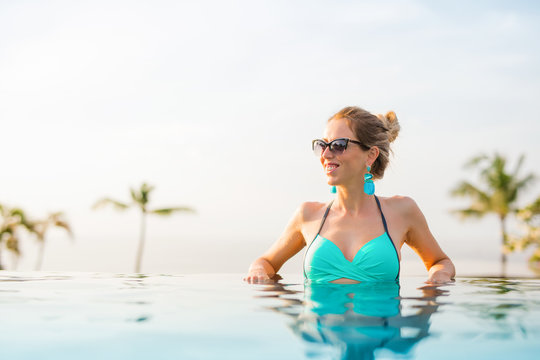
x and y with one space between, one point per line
13 221
498 194
530 215
40 229
140 199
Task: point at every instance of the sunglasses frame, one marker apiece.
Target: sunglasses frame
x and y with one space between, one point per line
329 145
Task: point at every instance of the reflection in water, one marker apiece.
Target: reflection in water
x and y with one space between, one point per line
354 321
504 307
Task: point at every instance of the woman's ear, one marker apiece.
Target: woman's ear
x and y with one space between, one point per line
373 154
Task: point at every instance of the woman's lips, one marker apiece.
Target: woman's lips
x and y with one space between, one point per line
331 168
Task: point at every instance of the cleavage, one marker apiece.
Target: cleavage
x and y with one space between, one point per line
356 250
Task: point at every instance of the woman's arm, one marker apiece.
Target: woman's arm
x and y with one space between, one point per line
419 238
288 244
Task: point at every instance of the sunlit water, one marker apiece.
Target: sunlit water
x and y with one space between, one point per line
217 316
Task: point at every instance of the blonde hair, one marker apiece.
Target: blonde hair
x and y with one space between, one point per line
372 130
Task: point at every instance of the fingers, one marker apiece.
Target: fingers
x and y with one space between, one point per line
438 281
254 279
257 279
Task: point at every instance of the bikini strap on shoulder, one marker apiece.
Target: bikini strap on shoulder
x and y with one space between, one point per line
325 215
382 215
389 237
322 223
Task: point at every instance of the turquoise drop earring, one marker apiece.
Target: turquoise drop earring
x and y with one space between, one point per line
369 186
333 190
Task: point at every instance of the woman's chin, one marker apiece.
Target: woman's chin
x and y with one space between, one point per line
332 181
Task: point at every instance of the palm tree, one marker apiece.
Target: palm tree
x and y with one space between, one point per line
40 229
13 220
140 199
499 195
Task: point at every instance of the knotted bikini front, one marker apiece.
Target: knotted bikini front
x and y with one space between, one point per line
377 260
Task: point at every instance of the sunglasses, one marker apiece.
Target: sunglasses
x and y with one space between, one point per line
336 146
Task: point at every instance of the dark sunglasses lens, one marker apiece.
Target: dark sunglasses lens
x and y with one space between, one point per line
338 146
318 147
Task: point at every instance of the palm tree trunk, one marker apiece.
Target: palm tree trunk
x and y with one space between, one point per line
503 255
41 253
15 261
141 243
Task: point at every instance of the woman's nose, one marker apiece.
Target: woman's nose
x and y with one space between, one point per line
327 154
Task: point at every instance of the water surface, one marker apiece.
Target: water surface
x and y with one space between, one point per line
216 316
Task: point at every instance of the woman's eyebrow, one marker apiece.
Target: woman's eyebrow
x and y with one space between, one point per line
329 141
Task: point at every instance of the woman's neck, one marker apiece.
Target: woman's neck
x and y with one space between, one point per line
353 200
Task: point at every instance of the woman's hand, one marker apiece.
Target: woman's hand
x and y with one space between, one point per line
441 272
438 278
256 276
260 272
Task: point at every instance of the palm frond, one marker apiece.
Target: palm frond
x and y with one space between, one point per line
64 225
16 212
519 163
147 188
12 244
530 211
169 211
134 196
469 213
19 218
106 201
527 181
467 189
145 193
475 161
494 174
7 231
535 206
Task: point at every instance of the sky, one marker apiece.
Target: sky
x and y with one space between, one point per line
216 103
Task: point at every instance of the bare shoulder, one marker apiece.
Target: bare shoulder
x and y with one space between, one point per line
405 206
311 210
304 214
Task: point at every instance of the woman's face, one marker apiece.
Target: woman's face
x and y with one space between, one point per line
348 167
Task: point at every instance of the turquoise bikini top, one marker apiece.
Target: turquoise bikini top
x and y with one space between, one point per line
377 260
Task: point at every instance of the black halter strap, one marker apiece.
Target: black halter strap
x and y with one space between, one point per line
382 215
387 233
320 228
324 217
330 205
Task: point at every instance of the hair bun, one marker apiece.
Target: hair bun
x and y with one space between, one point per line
391 123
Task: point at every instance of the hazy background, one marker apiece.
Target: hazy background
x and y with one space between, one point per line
216 102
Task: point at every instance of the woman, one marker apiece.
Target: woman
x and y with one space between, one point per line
344 238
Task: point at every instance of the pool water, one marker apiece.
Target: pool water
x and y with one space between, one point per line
218 316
